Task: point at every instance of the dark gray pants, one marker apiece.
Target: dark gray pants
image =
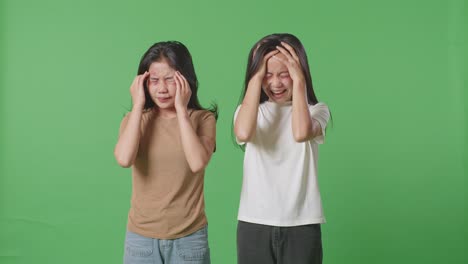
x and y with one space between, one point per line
263 244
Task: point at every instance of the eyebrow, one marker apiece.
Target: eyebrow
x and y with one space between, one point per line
165 76
283 72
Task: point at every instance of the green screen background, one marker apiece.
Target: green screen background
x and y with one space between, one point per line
392 172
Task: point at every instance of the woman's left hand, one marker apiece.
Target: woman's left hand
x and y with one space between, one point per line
292 62
183 92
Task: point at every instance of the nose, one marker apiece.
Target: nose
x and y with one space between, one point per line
275 81
162 88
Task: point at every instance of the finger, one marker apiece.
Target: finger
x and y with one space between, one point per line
138 82
133 83
141 78
177 81
281 59
291 50
178 88
285 52
146 75
135 80
182 83
270 54
186 84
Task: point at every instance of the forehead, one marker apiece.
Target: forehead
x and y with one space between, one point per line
275 65
160 68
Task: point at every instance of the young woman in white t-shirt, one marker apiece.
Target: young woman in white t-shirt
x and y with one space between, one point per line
280 122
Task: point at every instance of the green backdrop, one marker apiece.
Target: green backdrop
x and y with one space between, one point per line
392 172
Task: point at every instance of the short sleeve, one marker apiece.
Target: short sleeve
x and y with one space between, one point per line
320 113
207 125
145 117
234 122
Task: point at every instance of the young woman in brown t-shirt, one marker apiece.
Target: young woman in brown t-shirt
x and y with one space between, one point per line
167 139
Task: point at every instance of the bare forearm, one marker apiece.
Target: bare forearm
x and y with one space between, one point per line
127 146
246 121
196 154
301 121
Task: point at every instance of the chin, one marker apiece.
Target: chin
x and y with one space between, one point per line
168 105
280 100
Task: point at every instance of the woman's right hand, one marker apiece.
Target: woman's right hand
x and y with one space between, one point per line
137 91
262 70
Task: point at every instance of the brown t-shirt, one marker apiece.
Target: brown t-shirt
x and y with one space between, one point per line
167 197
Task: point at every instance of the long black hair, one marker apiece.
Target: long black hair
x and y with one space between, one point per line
178 57
256 55
269 43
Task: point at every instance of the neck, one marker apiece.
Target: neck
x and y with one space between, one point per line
167 113
280 103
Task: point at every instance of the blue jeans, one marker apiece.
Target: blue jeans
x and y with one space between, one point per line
191 249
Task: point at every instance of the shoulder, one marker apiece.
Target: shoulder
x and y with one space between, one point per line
319 105
147 114
201 115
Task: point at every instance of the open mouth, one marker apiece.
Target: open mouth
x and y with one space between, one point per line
278 94
164 99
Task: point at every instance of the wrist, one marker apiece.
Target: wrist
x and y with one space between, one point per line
182 111
256 80
258 76
299 85
138 107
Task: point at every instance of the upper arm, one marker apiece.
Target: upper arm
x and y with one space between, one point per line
320 115
240 142
123 124
207 132
208 143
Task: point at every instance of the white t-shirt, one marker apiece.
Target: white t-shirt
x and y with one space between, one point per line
280 186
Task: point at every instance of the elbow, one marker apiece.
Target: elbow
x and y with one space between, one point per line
242 135
197 170
302 136
124 164
122 161
302 133
243 138
199 166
